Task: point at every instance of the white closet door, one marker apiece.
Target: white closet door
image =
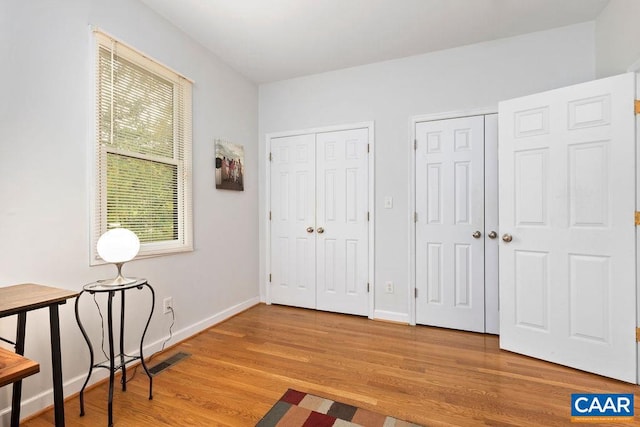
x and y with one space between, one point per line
567 201
450 209
341 226
293 251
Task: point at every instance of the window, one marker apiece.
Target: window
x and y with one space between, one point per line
143 149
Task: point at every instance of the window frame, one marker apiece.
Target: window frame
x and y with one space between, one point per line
182 130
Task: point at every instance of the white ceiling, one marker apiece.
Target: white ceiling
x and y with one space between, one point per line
270 40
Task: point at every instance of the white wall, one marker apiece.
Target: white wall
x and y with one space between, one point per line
45 120
617 37
389 93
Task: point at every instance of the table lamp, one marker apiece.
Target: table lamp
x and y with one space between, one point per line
118 246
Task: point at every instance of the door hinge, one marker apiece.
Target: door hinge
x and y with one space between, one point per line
270 157
415 144
367 148
637 334
637 218
415 217
269 215
368 288
415 292
367 216
637 106
269 277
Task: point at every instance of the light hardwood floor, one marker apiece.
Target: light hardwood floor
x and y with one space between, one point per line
431 376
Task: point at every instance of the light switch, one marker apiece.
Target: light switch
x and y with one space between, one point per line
388 202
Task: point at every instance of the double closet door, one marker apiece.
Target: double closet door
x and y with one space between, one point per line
456 223
319 237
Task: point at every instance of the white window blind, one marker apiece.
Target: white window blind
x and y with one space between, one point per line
143 149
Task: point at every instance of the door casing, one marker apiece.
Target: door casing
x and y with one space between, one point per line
637 71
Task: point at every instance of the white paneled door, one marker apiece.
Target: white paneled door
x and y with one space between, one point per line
567 202
450 223
341 215
319 245
293 206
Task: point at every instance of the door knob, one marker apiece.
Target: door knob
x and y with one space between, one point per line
309 229
492 234
320 230
507 237
476 234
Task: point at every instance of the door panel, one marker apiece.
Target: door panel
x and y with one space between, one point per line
567 197
342 248
450 209
293 250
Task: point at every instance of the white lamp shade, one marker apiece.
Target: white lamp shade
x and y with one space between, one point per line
118 245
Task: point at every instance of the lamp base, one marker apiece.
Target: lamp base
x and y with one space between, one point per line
119 280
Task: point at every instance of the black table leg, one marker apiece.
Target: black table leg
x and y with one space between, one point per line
17 386
86 338
124 370
144 365
111 356
56 360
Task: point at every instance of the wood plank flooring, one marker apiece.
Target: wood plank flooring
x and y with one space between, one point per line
430 376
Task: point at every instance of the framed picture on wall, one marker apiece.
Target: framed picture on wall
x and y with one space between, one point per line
229 166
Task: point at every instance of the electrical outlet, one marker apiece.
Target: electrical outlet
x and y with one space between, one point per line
388 287
167 305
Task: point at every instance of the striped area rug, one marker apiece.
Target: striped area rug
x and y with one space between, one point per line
298 409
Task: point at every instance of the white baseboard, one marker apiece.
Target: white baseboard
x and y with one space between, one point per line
391 316
43 400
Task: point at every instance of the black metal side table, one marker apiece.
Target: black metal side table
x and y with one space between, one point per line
121 358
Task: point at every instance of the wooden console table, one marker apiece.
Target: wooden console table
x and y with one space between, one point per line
18 300
14 367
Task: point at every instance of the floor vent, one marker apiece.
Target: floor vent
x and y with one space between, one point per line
155 370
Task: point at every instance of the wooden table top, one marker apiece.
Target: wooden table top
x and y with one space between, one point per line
14 367
30 296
